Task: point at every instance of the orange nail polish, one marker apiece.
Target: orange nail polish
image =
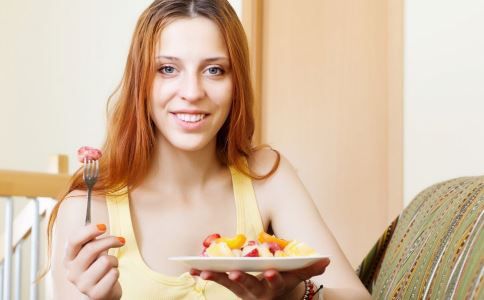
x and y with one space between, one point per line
121 240
101 227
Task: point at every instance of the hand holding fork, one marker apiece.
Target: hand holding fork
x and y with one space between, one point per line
87 263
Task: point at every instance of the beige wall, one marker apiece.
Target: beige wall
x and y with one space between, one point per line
329 105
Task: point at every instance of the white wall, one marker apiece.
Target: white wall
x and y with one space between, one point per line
237 5
60 60
443 92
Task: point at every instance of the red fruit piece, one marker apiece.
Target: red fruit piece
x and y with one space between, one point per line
253 253
273 247
209 239
88 153
251 243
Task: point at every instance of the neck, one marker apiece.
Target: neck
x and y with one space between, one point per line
180 170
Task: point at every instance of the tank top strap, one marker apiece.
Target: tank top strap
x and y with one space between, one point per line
119 218
249 221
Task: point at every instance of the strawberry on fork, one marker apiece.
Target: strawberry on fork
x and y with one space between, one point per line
88 153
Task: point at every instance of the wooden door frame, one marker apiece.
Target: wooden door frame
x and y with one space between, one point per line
252 22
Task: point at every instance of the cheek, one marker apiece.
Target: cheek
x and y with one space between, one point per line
161 95
222 95
159 101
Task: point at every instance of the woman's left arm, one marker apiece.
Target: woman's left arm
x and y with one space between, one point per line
293 215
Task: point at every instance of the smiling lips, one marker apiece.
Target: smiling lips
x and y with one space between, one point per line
190 120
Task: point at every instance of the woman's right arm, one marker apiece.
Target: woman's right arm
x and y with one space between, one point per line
81 267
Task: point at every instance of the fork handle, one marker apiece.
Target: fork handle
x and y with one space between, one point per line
88 208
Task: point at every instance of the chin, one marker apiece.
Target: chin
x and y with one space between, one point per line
189 143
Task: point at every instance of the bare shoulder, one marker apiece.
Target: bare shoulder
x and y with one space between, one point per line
279 189
263 160
72 210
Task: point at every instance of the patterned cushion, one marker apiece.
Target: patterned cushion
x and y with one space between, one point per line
435 249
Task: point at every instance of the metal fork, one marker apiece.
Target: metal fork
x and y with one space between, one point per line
91 173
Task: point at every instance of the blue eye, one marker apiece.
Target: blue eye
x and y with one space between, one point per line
167 70
215 71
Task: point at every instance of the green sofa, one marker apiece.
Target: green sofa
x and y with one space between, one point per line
434 249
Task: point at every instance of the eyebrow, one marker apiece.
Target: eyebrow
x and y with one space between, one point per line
211 59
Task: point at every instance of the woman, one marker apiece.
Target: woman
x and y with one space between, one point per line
178 165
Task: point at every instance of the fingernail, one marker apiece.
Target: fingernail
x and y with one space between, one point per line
121 239
233 276
101 227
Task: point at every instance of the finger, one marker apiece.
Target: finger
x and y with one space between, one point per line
251 283
315 269
293 278
97 271
274 280
92 250
105 285
223 279
195 272
80 238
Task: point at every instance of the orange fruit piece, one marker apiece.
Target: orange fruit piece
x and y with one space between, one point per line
234 243
267 238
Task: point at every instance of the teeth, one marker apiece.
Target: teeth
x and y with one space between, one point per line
192 118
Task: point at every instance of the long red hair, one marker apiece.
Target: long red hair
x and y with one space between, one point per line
130 142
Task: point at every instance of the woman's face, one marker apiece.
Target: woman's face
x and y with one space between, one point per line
192 90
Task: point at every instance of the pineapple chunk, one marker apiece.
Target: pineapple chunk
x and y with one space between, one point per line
295 248
219 249
264 251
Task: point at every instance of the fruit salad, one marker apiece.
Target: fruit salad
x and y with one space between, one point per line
266 245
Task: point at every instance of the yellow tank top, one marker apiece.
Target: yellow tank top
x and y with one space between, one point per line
138 281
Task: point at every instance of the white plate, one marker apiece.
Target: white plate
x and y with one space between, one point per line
247 264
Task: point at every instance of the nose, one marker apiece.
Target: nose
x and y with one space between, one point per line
191 88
